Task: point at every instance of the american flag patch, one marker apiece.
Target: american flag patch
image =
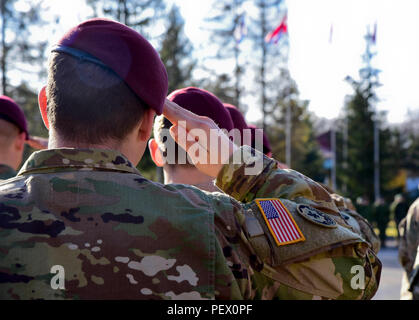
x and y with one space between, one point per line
280 222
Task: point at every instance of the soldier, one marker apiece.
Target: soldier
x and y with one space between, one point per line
200 102
239 124
382 216
409 254
79 221
266 145
398 210
13 134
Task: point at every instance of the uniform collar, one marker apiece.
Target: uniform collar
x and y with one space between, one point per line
65 159
6 172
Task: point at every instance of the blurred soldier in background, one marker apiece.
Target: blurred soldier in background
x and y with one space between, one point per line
409 253
13 134
382 216
202 103
398 210
240 125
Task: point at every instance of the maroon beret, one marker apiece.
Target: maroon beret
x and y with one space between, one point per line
203 103
237 117
10 111
124 51
266 145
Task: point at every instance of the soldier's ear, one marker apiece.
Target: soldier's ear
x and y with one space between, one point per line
42 101
155 153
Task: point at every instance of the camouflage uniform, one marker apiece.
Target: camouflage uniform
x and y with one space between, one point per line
408 252
120 236
360 224
6 172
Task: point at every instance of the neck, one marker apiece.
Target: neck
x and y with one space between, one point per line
9 159
185 175
55 142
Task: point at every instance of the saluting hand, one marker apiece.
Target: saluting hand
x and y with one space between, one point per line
189 129
37 143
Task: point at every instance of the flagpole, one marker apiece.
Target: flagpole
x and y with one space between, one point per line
333 169
288 137
345 148
377 195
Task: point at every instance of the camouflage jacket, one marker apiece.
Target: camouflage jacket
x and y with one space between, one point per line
408 252
6 172
360 224
117 235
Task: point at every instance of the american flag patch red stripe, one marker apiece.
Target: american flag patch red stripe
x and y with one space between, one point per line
280 222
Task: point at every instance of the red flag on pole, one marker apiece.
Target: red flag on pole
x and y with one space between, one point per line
274 35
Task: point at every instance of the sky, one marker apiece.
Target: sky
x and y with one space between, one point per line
317 65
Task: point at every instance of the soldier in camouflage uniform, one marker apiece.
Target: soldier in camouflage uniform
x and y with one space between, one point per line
83 206
13 133
409 252
200 102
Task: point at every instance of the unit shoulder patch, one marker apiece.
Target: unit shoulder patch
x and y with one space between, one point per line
316 216
280 221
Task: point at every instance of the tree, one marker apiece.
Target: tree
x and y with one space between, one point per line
222 88
137 14
176 52
305 153
269 13
17 51
360 113
227 19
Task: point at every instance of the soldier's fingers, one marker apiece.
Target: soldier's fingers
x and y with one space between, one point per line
185 118
37 143
174 113
186 140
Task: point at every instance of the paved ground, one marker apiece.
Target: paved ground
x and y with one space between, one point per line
391 275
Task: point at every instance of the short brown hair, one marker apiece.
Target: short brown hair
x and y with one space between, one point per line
89 103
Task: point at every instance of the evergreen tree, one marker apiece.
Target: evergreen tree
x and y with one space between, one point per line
360 109
227 18
305 155
176 52
137 14
222 88
270 11
18 52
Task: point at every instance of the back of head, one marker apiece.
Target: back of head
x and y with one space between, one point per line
237 117
102 76
8 133
13 132
239 123
200 102
11 113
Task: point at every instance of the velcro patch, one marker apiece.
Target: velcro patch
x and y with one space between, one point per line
316 216
280 222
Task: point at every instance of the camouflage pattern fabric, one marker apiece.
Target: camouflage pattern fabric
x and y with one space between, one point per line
6 172
119 236
408 252
360 224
